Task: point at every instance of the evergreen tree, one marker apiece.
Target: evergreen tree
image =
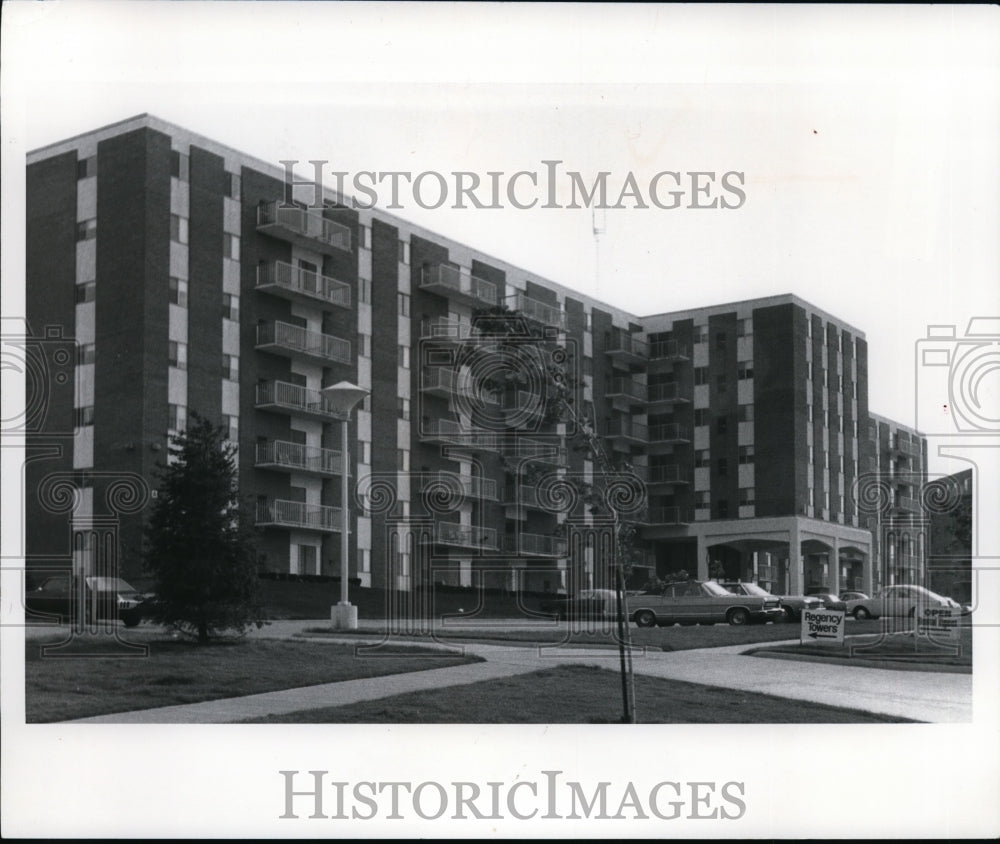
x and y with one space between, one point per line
200 546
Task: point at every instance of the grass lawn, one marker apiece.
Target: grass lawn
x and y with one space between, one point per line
898 651
578 694
179 671
595 634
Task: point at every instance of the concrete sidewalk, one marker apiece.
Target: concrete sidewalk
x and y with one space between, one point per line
922 696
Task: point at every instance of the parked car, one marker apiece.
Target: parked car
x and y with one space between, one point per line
831 601
702 602
900 600
59 596
587 603
791 605
853 596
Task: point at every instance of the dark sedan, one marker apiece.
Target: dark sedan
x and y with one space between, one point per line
830 601
59 598
587 603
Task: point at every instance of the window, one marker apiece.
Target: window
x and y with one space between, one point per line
720 341
744 371
177 354
178 229
176 417
701 334
231 307
701 416
745 412
404 252
404 357
86 167
179 165
403 303
722 425
84 416
588 366
84 354
364 560
701 375
722 509
403 406
403 460
366 403
722 467
744 327
366 236
232 425
746 455
701 458
231 367
366 452
232 186
720 382
178 294
231 246
365 345
87 230
703 499
747 497
307 559
85 292
365 290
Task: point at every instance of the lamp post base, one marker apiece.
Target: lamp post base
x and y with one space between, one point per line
344 617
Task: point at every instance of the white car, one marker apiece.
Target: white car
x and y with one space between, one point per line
901 600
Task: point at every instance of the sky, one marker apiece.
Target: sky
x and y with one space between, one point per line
867 138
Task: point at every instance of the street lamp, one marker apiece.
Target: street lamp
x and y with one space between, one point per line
341 399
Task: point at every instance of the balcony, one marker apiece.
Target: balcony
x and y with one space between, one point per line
308 229
298 515
444 330
518 498
303 286
544 451
446 280
669 516
438 381
448 432
669 432
624 431
464 536
666 393
534 545
899 447
627 391
905 504
282 338
296 457
669 350
282 397
669 474
626 349
472 486
541 312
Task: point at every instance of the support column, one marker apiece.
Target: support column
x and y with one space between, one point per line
833 582
794 559
702 557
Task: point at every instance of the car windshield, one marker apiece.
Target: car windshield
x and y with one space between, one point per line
713 588
754 589
109 584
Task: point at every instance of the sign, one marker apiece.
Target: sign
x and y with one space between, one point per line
822 627
938 623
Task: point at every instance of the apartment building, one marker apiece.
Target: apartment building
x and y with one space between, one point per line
179 280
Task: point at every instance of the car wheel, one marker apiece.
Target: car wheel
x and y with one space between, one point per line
645 618
861 614
737 616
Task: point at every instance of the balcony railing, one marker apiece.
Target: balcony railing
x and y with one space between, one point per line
535 545
671 474
278 454
669 516
905 502
627 388
538 311
665 392
438 380
449 432
464 536
282 337
296 283
520 496
444 329
669 432
283 397
473 486
298 514
451 281
304 227
623 428
545 451
626 347
668 350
